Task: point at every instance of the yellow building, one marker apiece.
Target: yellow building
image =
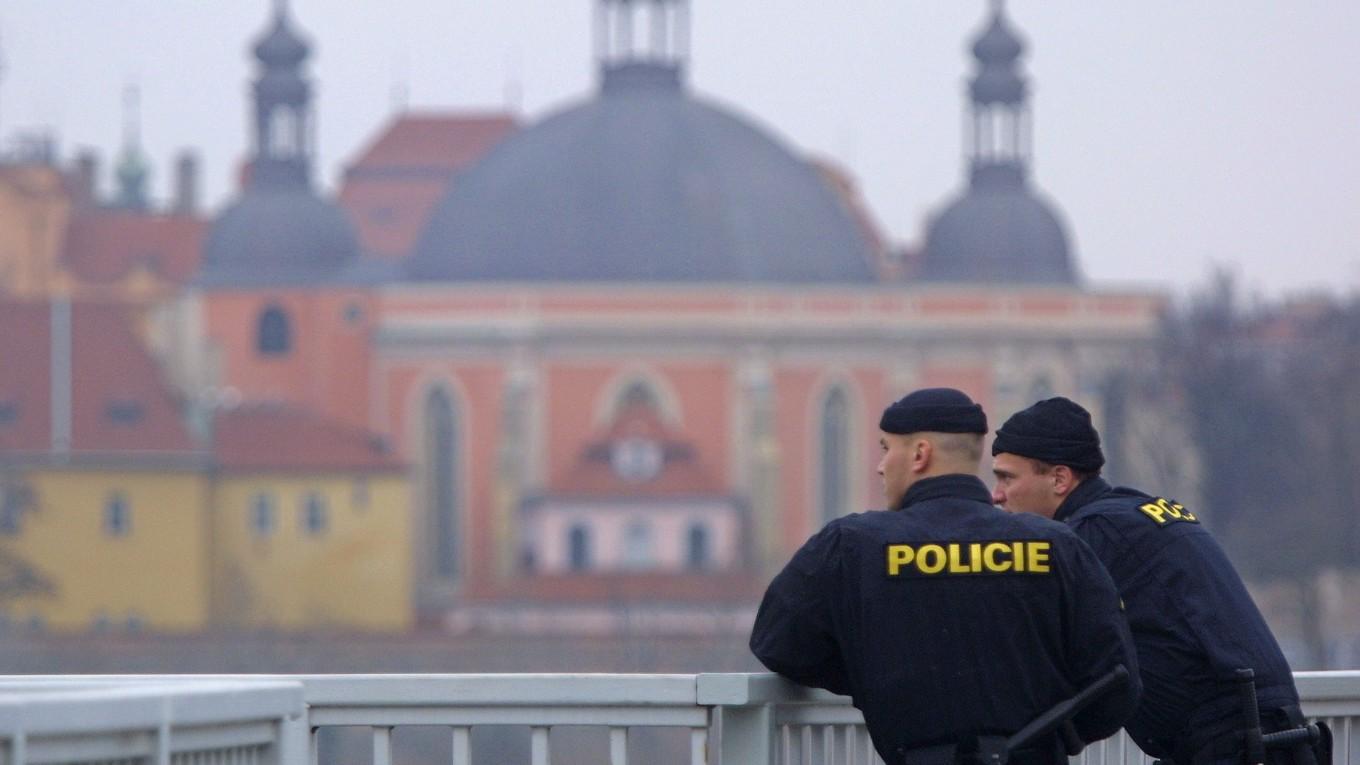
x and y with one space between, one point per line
116 548
105 493
311 525
114 517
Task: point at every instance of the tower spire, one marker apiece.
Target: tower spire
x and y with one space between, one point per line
132 120
283 115
999 144
132 167
642 39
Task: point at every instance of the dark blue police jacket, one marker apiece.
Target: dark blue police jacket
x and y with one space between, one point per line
947 619
1191 617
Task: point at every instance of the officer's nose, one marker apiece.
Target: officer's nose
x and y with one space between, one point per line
998 497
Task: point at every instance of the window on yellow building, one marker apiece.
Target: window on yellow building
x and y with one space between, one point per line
262 514
9 412
16 498
9 511
117 515
314 519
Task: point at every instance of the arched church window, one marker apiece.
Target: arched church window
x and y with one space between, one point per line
638 393
441 496
835 467
274 335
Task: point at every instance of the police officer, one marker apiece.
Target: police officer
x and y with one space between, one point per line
1191 617
946 619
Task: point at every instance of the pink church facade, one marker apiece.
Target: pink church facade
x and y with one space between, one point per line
623 374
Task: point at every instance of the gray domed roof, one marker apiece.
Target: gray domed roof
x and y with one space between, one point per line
643 183
998 231
998 45
279 231
997 50
278 236
281 47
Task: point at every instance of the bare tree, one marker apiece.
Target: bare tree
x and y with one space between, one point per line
1272 396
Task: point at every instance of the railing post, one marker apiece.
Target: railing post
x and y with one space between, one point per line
743 715
295 740
747 734
163 733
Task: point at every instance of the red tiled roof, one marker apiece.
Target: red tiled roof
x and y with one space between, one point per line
682 473
390 190
104 246
270 437
447 142
120 403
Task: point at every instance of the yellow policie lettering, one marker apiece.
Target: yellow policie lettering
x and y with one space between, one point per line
1031 557
1164 512
989 559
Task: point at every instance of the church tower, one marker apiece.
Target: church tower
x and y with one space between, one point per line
286 323
999 230
284 127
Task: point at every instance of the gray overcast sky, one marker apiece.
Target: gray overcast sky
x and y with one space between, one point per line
1173 134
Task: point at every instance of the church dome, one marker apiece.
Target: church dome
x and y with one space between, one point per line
643 183
280 231
278 236
999 230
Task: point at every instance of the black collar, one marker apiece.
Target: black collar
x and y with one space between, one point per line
1086 492
955 485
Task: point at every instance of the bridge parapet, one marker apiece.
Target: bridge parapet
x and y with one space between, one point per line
730 719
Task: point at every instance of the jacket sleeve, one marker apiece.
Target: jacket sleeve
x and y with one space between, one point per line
793 633
1098 639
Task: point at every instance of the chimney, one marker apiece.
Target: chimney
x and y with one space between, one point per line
85 176
186 184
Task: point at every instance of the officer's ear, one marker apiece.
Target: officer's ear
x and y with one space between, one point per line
1064 480
922 454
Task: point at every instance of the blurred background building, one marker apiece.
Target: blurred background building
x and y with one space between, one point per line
513 376
593 374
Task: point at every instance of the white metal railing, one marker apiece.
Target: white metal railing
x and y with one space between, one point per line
728 719
165 723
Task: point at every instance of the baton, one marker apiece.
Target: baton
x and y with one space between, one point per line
1251 716
1257 741
1063 712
